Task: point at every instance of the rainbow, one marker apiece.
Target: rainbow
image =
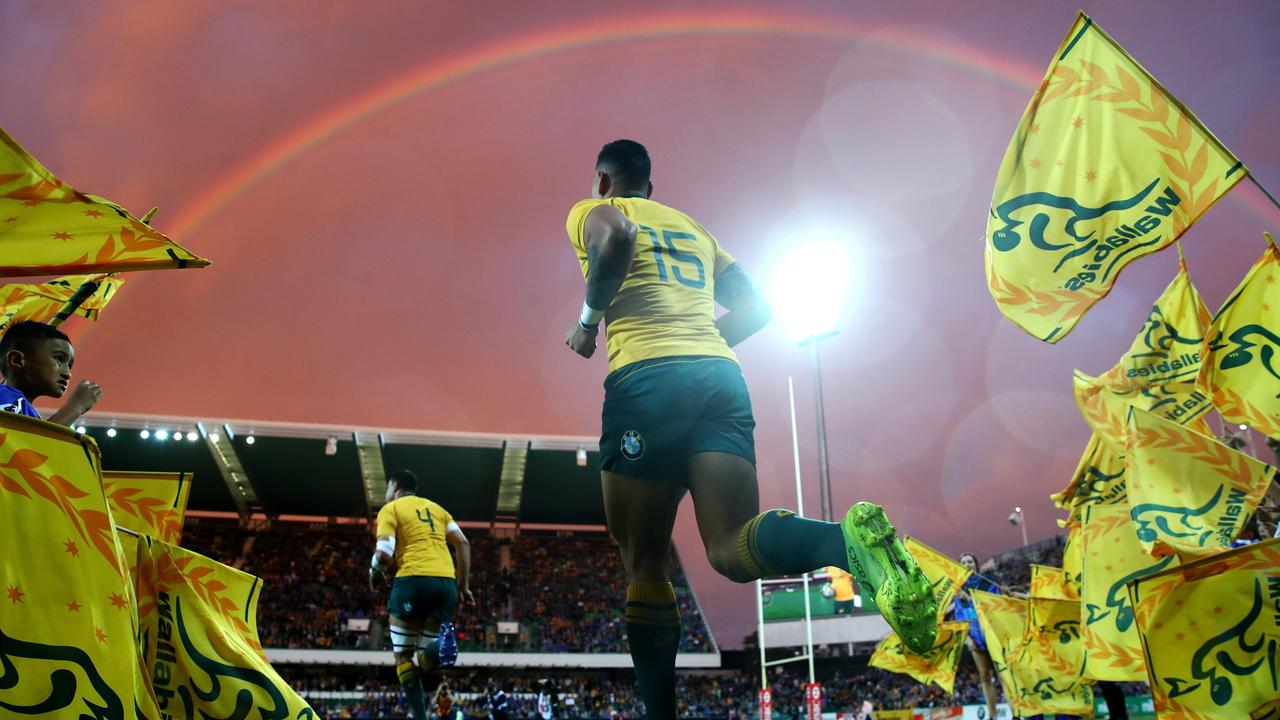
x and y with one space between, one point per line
440 72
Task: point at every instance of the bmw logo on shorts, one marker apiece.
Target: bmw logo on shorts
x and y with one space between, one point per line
632 445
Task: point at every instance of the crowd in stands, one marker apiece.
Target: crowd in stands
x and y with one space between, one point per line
1013 570
567 592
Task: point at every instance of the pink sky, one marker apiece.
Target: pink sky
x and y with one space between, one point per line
399 259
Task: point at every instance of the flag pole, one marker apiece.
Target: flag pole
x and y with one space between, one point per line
83 293
1258 185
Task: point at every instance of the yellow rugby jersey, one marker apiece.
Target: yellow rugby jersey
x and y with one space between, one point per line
841 584
666 305
418 525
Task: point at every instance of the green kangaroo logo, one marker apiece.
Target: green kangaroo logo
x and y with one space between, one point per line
1007 238
1186 529
1241 354
1118 597
1046 689
1159 335
1093 486
1067 630
1216 649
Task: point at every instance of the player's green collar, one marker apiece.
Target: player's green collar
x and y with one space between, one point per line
642 197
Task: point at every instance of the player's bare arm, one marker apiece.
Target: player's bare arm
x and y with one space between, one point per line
611 245
748 311
462 548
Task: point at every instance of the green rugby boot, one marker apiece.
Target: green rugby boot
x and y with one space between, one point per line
885 570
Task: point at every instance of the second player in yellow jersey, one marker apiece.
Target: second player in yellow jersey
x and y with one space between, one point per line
414 539
419 527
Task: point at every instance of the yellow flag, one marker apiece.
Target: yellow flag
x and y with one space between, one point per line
1050 583
1105 167
1188 493
1098 479
1053 644
946 575
1168 347
67 617
46 301
1031 691
1212 628
150 503
200 638
937 666
1004 621
48 227
147 503
1241 371
1112 557
1107 409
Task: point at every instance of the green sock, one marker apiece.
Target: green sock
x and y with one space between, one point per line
653 632
778 542
411 681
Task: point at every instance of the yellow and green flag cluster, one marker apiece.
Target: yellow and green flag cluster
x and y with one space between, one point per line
182 643
48 227
1104 168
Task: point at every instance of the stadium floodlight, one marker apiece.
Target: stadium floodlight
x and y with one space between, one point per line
191 437
248 440
145 434
806 292
215 436
80 430
111 432
162 434
1017 518
807 289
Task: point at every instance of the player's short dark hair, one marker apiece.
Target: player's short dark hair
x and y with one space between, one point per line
404 480
22 335
627 162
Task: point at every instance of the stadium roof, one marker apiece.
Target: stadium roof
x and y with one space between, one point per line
279 468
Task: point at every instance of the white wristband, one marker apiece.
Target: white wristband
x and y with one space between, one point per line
590 316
